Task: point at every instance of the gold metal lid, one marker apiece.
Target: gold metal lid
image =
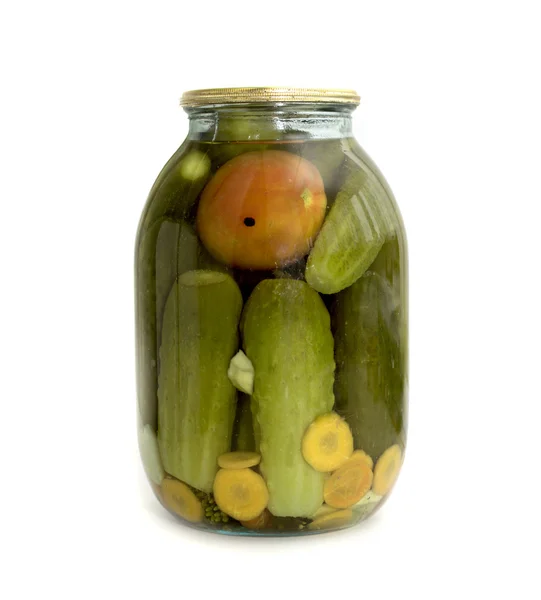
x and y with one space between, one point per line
250 95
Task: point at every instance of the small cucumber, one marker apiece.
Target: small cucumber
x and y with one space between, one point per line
247 128
195 165
196 400
352 234
287 336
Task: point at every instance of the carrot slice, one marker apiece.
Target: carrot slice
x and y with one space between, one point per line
239 460
260 522
323 510
387 469
327 443
240 493
362 456
348 485
334 520
181 500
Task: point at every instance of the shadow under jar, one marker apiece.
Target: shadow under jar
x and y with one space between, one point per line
271 318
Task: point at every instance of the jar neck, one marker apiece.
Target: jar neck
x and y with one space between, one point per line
230 123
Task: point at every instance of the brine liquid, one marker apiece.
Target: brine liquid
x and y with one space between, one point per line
189 411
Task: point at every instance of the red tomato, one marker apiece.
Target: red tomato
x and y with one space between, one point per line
262 210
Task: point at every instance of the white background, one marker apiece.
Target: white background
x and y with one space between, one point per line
450 111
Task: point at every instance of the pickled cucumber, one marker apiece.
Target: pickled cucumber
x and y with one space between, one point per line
195 165
370 384
352 234
286 334
196 400
235 129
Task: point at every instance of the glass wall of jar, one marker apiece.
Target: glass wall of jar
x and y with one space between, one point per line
271 318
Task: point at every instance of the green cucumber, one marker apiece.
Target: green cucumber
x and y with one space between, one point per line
352 234
243 431
370 386
287 336
246 128
195 165
196 400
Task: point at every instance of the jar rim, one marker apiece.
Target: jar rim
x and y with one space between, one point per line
262 95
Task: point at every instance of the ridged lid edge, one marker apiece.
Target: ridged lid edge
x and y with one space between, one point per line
237 95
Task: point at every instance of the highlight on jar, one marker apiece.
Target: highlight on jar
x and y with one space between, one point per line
271 326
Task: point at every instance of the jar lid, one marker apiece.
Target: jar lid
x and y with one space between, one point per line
250 95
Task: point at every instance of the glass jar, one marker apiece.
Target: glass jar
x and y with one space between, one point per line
271 318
